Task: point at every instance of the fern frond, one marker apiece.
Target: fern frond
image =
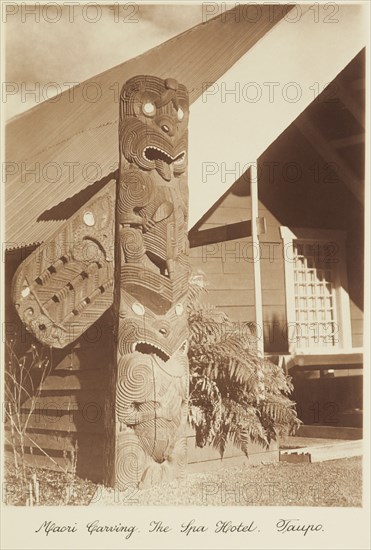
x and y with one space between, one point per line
235 395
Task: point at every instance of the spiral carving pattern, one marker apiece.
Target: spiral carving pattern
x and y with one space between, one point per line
152 210
132 245
64 286
136 190
133 142
129 333
135 381
131 461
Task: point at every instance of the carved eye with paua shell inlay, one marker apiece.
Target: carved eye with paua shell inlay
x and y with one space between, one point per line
148 109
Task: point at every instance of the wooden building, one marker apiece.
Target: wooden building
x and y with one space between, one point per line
308 306
306 188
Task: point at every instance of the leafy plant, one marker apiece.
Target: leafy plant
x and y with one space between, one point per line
235 395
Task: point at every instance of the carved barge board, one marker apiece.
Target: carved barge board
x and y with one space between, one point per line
66 284
153 272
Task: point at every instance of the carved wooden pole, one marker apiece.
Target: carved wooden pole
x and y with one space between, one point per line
66 284
152 214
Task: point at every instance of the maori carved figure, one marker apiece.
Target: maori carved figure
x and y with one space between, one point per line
152 210
66 284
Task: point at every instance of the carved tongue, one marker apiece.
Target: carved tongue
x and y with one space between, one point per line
163 169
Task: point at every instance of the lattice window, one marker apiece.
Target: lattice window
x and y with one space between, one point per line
315 296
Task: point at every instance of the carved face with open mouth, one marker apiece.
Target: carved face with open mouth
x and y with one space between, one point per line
153 349
161 336
165 164
153 129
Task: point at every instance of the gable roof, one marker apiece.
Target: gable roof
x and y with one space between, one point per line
338 116
69 143
233 128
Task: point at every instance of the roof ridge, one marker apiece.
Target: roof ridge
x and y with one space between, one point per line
131 59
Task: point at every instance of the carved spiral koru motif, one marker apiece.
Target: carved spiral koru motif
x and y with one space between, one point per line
152 210
131 461
133 143
134 146
135 384
136 190
129 334
132 245
153 125
87 250
66 284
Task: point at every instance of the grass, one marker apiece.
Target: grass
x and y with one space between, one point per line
55 488
330 483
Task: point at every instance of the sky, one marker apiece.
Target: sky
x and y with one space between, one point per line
80 43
